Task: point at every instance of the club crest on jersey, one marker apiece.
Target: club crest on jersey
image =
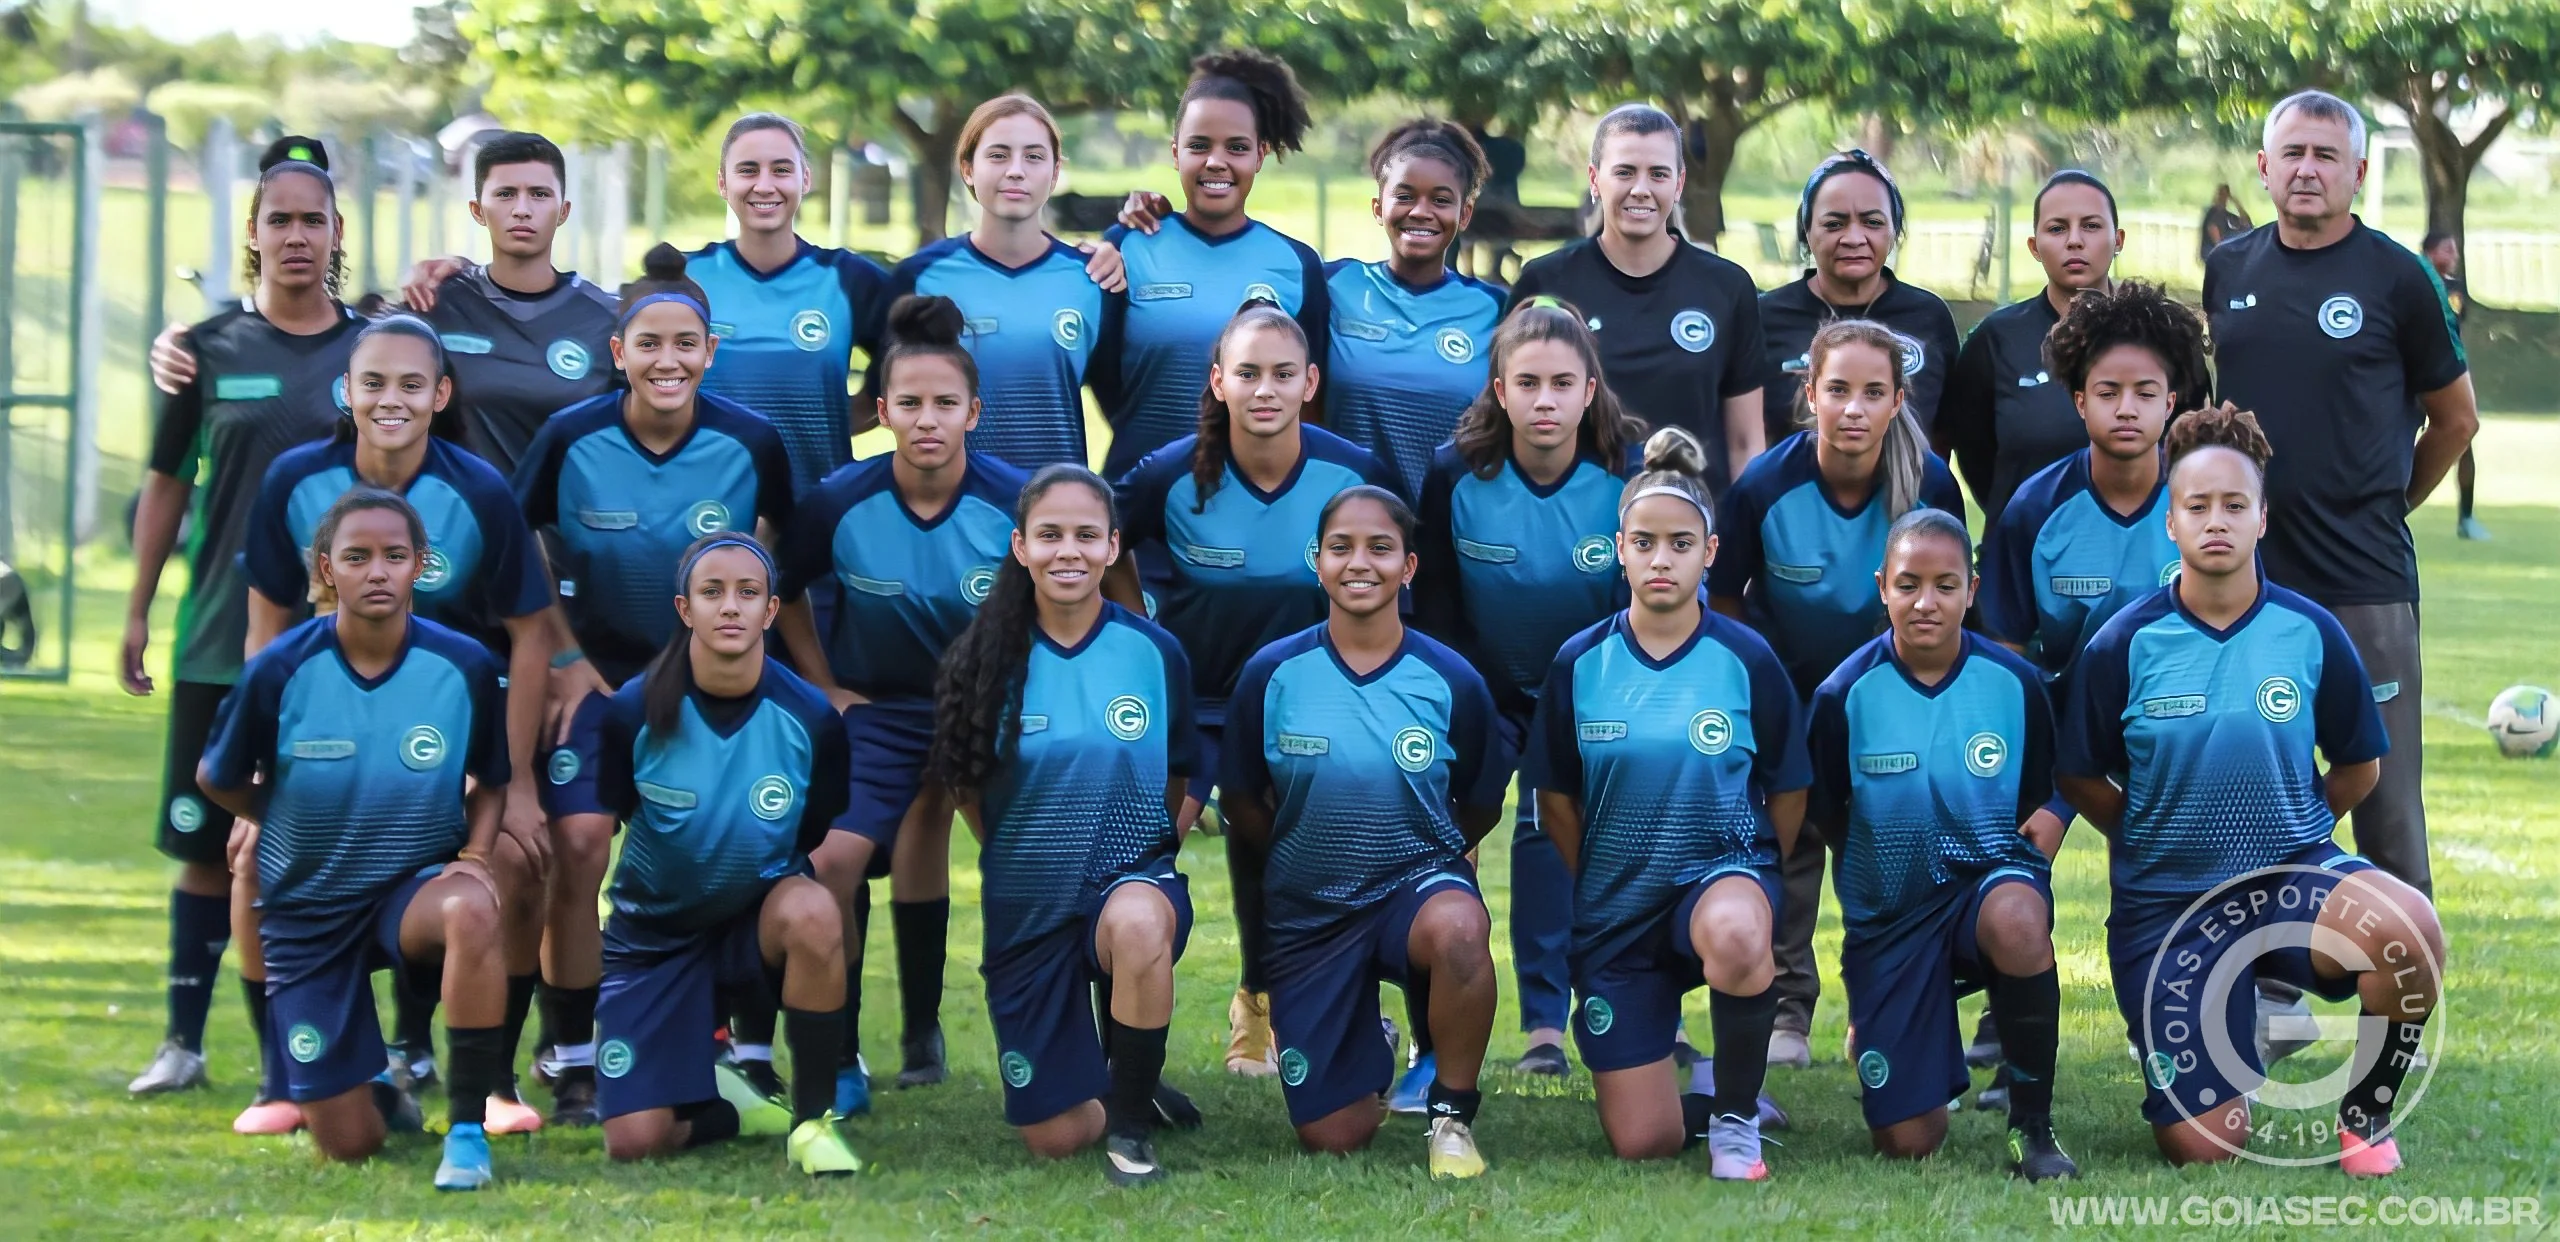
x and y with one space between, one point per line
1711 732
433 570
771 798
338 393
422 748
613 1059
1067 328
568 359
2341 317
975 584
1874 1070
2169 573
1597 1016
186 814
1293 1067
2279 700
1985 754
304 1043
1693 331
706 517
1017 1070
1312 542
1415 748
564 766
1126 717
809 330
1595 554
1914 354
1456 345
1259 291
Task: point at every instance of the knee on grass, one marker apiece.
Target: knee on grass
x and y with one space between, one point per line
1065 1134
1916 1139
1345 1131
642 1136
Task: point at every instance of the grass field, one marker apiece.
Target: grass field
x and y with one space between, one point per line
82 948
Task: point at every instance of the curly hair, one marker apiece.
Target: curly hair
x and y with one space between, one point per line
1260 81
1429 138
2225 426
2136 314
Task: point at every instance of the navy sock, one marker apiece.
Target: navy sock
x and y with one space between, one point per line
1137 1063
413 1011
2367 1108
712 1121
1448 1101
568 1013
474 1066
520 990
2028 1010
1697 1112
199 930
271 1081
1741 1025
922 930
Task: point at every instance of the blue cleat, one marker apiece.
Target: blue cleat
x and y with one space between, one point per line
853 1090
466 1159
1412 1094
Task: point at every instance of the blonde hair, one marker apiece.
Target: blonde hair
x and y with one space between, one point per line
1905 461
985 115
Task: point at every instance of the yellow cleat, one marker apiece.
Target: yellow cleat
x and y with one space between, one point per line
1453 1149
819 1150
758 1115
1249 1050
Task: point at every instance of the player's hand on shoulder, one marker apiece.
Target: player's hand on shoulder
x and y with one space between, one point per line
1104 266
419 291
173 360
1145 210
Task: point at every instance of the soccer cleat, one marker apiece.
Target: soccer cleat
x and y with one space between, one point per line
1173 1108
400 1113
1702 1081
2362 1155
1249 1050
1994 1098
1546 1060
2285 1027
818 1149
758 1115
853 1089
925 1065
172 1069
1453 1149
1733 1150
266 1118
1983 1052
1789 1048
1684 1055
2470 528
1130 1161
762 1076
2035 1156
509 1115
466 1159
413 1069
1412 1094
573 1096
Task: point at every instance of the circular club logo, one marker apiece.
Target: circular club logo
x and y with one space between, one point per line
568 359
2341 317
1693 331
706 517
771 798
1915 355
1873 1069
1597 1016
338 393
1595 554
1126 717
975 584
1711 732
613 1060
1456 346
1260 292
2168 573
304 1043
1985 754
1293 1067
809 330
1311 555
1067 328
564 766
433 570
1415 748
185 813
2245 925
1017 1070
2279 700
422 748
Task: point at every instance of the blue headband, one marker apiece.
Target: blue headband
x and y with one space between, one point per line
729 539
685 300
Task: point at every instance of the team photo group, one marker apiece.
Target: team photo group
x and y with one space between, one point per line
547 648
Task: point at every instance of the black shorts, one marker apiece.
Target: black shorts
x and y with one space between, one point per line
192 828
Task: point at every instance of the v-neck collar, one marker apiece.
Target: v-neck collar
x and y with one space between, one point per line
1964 656
1068 651
1236 472
2150 504
2207 628
1403 646
1543 491
338 648
1635 645
622 420
970 241
802 249
744 708
949 507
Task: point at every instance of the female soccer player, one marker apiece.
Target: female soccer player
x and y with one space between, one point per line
627 480
1932 756
2003 416
728 770
914 538
1063 725
2089 534
2188 740
1679 325
1365 764
1518 518
1240 109
1849 219
1237 504
268 380
1670 772
349 740
1803 533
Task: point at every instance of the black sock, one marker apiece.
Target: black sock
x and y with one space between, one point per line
1417 1013
1741 1025
713 1121
2367 1108
851 1053
810 1036
754 1018
923 932
570 1015
253 993
1137 1062
1697 1112
520 989
2028 1009
1447 1101
475 1063
413 1012
199 930
1109 1026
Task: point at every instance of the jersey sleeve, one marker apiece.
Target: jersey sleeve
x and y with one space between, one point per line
1102 372
1315 310
773 474
1930 388
1826 746
1553 763
1747 357
2347 719
1242 770
1738 553
2430 344
243 739
1182 745
1938 488
1966 431
1141 495
807 551
615 781
487 758
1781 767
2008 570
1480 777
866 290
2035 780
519 585
173 437
830 773
2090 738
277 570
1436 607
537 478
1532 283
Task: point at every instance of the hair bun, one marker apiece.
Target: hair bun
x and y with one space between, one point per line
294 148
663 262
1676 450
926 319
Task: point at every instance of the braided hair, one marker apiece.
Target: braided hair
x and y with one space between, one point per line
2225 426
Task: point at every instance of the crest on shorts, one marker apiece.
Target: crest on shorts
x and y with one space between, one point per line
1017 1070
1597 1016
186 814
1293 1067
564 766
613 1060
1873 1069
305 1043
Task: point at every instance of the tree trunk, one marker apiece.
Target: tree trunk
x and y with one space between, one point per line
1876 136
2445 161
934 148
1720 127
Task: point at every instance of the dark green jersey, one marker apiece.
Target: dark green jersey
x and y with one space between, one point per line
517 358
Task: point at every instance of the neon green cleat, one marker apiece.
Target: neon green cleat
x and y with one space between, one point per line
819 1150
758 1115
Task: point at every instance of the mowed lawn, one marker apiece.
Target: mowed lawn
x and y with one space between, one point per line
82 950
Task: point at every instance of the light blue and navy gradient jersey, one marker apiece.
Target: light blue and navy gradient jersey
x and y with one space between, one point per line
1079 802
625 515
1404 362
1932 782
720 808
1508 570
1033 329
2060 562
481 566
1673 762
1183 288
1244 567
2211 733
786 343
1367 775
1804 567
910 584
364 776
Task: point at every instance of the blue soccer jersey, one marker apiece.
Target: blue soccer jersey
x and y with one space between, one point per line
719 807
625 515
364 775
1183 288
1244 564
1673 761
1508 569
1404 363
1368 774
911 584
786 343
1930 781
2060 562
1804 567
2211 733
1032 329
480 567
1079 800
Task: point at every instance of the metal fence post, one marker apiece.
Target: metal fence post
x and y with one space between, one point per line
88 336
155 235
216 164
405 197
653 200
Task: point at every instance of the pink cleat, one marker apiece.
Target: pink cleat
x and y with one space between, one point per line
507 1116
2362 1157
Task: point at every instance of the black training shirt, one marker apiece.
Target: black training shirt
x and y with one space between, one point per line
1791 314
517 358
2004 415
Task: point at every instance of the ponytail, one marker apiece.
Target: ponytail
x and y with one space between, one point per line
1904 460
1215 445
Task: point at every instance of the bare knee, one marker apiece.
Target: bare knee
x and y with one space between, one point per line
2193 1142
1454 936
1645 1142
1916 1139
805 913
1344 1131
2013 931
640 1136
582 843
1065 1134
470 914
1137 924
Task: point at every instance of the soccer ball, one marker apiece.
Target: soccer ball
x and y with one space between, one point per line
2523 720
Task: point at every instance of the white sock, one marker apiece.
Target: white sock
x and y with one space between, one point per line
752 1052
573 1054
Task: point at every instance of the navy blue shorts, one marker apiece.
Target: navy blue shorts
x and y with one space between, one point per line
1040 1001
1324 1001
888 739
657 1011
569 771
2165 961
1902 1000
1629 1014
320 990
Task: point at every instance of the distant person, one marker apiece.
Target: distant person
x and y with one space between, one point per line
2444 254
2223 220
